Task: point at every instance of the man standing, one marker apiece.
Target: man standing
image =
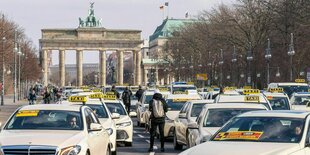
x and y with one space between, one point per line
158 108
32 97
126 98
139 93
116 93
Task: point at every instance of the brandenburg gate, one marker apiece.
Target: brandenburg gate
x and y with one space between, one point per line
91 36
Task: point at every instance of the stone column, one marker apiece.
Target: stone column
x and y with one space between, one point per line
45 68
134 55
145 79
102 67
156 77
120 67
168 79
138 68
79 67
62 77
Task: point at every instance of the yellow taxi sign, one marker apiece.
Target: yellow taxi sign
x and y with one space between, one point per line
300 80
109 97
251 91
308 90
276 90
97 95
77 99
229 88
110 93
251 98
190 83
247 87
163 89
86 90
179 92
27 113
247 135
97 90
180 99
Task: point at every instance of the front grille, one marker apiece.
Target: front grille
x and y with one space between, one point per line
121 135
29 150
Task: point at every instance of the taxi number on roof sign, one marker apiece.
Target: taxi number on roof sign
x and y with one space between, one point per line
251 98
97 95
276 90
300 80
27 113
247 135
77 99
251 91
181 99
96 90
109 97
247 87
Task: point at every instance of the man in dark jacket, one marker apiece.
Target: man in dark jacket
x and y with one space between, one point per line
32 97
139 93
116 93
126 98
160 122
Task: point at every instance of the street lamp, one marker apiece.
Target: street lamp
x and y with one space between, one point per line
278 72
268 57
15 51
234 60
221 62
291 53
3 68
249 58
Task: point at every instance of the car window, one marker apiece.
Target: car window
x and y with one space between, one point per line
279 103
88 118
196 109
116 108
183 109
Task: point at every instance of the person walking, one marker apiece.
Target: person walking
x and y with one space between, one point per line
116 93
158 108
139 93
32 97
46 96
126 98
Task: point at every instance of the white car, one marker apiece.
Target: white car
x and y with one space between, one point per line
212 117
290 87
54 129
188 115
260 133
124 125
278 101
142 107
300 101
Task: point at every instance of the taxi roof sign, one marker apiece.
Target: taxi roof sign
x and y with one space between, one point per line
109 93
251 91
229 88
179 92
181 99
97 90
247 87
251 98
97 95
77 99
300 80
276 90
109 97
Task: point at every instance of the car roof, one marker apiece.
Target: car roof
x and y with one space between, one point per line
236 105
302 94
187 96
274 94
65 107
277 113
149 92
290 84
183 85
199 101
222 98
111 101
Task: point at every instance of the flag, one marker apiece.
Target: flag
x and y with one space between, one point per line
166 3
186 15
161 7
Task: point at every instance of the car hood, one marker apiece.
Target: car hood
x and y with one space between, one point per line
300 107
172 114
122 119
60 138
242 148
209 130
106 122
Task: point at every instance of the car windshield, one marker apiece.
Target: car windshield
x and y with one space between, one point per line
279 103
262 129
218 117
196 109
99 110
175 105
301 100
45 120
148 98
183 88
120 89
289 90
116 108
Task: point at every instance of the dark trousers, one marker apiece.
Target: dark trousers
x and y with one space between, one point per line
127 106
161 126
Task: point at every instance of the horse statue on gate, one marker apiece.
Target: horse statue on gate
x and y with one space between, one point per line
90 20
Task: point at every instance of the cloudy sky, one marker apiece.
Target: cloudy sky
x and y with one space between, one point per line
145 15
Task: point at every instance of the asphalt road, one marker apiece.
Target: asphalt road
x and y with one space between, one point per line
141 143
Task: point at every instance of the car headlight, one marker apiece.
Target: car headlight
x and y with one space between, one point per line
123 124
110 131
71 150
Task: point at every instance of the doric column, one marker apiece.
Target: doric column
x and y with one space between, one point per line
134 55
45 67
138 68
120 67
62 67
145 71
79 67
102 62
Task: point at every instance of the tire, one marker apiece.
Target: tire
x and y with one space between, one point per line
176 145
128 144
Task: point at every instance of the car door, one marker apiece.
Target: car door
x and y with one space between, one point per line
305 142
180 122
184 122
93 139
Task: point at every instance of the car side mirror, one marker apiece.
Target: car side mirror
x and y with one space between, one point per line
133 114
193 125
95 127
115 115
182 115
